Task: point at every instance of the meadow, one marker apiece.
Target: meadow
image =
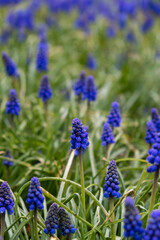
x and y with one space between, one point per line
102 61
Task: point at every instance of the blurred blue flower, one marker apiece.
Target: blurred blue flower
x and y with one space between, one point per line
132 221
114 117
42 56
155 119
107 135
91 62
90 89
5 161
79 84
45 91
13 106
147 24
10 66
151 133
130 37
154 156
111 32
152 231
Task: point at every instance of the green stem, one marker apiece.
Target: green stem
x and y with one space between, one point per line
82 180
35 224
2 225
153 196
32 227
113 232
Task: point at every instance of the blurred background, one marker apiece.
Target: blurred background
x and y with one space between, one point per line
116 41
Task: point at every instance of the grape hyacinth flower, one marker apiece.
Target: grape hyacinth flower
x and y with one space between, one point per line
79 85
114 118
13 105
65 223
6 199
79 142
154 156
45 91
10 66
107 135
6 162
79 137
151 133
155 119
52 221
152 231
42 56
132 221
35 198
91 62
111 186
90 90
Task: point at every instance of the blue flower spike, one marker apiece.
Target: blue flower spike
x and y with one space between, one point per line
13 105
107 135
5 161
151 133
10 66
42 56
35 198
65 223
152 231
45 91
154 156
111 186
132 221
155 119
90 90
6 199
79 136
114 118
79 84
52 222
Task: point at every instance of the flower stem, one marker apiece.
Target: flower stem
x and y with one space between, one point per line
35 224
113 232
2 225
82 179
153 196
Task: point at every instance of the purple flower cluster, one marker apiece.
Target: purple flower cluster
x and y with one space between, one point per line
8 155
80 83
45 91
79 137
90 89
65 222
154 156
114 118
6 199
151 133
10 66
107 135
35 198
111 186
13 105
152 231
132 221
155 119
42 56
52 221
